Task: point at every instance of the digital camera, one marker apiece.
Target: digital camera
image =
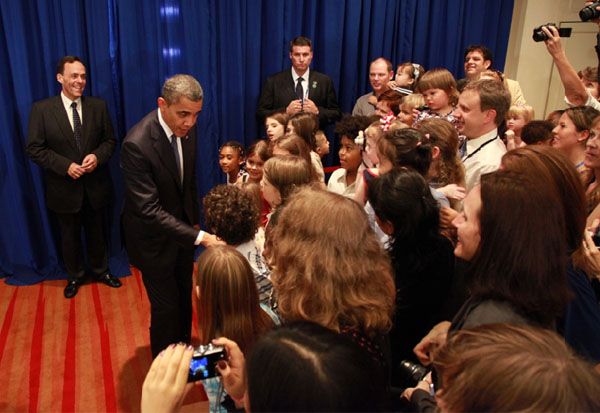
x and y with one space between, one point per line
204 361
589 12
540 36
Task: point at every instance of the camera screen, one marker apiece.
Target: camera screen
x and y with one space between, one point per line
199 368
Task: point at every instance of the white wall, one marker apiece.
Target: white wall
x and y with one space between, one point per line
529 62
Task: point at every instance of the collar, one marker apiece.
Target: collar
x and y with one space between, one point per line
164 125
305 76
473 144
67 102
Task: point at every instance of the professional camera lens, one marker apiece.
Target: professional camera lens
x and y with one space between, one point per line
589 12
412 373
538 33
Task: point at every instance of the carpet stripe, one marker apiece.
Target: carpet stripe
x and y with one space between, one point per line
8 317
68 401
107 371
35 361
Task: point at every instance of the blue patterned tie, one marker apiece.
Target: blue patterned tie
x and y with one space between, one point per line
76 126
177 159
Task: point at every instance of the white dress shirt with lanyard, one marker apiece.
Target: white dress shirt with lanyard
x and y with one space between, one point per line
482 155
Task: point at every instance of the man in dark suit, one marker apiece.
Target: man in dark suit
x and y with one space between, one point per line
158 159
71 137
299 89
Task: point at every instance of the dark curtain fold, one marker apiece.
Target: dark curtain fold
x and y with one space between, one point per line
230 46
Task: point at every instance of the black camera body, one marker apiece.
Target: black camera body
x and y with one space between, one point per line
540 36
411 373
204 361
589 12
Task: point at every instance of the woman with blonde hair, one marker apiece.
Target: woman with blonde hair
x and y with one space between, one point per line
328 267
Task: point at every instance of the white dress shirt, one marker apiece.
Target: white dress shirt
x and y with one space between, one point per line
67 104
483 155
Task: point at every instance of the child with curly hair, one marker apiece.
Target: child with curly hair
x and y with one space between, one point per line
232 215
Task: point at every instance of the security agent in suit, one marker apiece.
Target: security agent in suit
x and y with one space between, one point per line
158 159
314 93
71 138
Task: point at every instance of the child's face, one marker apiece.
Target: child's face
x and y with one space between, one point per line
436 99
254 166
403 79
406 115
382 109
323 148
349 152
275 130
289 129
270 193
371 148
230 160
515 123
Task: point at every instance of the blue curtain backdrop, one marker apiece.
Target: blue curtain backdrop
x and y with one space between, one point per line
231 46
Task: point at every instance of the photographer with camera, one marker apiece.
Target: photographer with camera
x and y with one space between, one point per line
576 93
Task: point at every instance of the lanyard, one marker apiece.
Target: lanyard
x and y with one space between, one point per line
480 148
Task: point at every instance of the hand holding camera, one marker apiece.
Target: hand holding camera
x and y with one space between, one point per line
549 31
166 383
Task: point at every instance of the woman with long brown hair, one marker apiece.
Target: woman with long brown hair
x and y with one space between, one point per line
227 305
328 267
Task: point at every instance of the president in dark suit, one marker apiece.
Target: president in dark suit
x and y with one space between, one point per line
158 159
299 89
71 137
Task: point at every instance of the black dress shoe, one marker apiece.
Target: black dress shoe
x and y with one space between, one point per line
110 281
72 288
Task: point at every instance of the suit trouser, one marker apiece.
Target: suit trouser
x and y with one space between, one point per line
92 222
169 290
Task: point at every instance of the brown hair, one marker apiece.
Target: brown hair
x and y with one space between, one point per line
328 266
492 95
414 70
443 135
231 213
305 126
228 303
297 146
439 78
589 74
582 117
300 41
261 149
551 168
537 132
388 64
281 117
515 231
393 100
504 367
60 66
287 173
554 116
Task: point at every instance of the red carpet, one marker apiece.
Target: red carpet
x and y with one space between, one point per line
87 354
